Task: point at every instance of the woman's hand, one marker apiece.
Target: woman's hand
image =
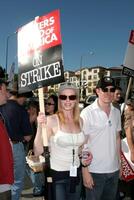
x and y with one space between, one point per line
41 119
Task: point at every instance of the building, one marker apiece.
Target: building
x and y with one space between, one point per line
86 79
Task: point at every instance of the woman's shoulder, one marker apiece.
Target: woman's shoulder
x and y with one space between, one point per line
128 118
52 119
52 123
128 113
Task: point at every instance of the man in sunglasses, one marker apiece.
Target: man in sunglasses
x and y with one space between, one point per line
101 121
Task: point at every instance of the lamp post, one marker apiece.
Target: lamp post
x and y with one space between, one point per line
7 41
7 47
81 81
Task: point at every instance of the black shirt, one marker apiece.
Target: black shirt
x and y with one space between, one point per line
17 120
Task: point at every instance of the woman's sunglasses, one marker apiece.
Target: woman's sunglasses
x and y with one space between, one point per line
108 89
64 97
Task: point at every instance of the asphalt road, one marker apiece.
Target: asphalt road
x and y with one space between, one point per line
28 190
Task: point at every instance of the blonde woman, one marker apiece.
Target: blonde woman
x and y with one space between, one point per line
129 126
65 138
129 131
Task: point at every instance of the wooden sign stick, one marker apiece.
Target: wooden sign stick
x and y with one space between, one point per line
44 136
127 93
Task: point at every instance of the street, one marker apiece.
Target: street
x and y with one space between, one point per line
27 192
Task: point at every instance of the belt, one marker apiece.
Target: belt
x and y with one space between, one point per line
15 141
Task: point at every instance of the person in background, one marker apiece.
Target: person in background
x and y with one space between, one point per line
102 122
51 105
36 178
19 130
6 156
129 126
32 109
129 131
117 99
65 137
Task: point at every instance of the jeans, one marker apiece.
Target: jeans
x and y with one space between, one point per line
19 170
105 186
62 188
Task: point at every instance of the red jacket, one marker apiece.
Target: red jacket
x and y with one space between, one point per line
6 157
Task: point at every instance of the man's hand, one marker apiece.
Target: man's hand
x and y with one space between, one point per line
87 178
88 160
27 138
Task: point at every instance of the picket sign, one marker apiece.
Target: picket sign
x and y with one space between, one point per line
42 109
127 165
127 94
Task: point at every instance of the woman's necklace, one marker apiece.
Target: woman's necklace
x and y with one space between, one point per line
75 155
73 167
71 127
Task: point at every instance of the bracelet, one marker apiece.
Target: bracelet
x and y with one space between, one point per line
84 165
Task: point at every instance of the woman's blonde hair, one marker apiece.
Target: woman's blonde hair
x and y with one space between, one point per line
76 113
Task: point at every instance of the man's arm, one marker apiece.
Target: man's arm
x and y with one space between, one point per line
26 126
87 178
119 149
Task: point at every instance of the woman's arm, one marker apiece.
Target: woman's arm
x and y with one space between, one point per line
128 131
38 142
128 126
118 140
44 122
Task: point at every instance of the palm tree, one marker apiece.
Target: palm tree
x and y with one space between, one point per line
2 72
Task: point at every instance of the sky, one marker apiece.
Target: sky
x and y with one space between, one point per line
95 30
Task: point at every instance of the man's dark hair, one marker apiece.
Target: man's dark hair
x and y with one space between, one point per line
118 88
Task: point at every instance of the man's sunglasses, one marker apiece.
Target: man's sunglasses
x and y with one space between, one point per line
49 104
64 97
108 89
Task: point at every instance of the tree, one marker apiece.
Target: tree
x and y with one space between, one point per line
2 72
102 73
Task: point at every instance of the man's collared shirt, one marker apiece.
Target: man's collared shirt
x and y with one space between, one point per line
102 131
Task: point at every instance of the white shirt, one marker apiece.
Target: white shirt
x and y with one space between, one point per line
61 146
102 131
4 187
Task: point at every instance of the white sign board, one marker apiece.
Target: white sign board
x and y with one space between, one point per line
129 57
40 59
128 63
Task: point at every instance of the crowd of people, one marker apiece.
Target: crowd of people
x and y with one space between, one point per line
91 175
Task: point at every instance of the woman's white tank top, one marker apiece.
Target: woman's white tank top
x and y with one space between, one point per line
61 149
